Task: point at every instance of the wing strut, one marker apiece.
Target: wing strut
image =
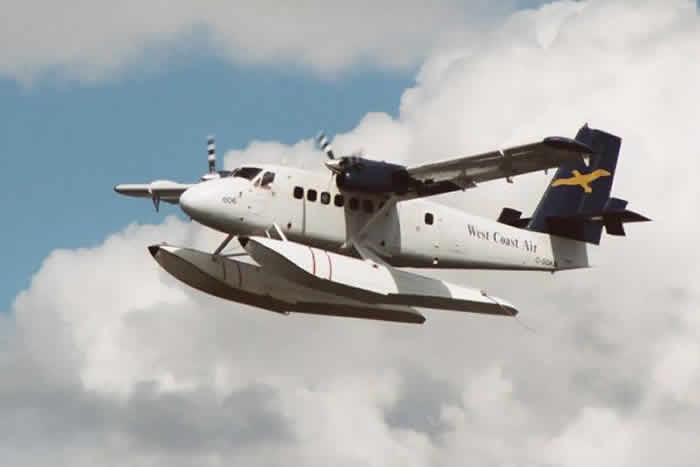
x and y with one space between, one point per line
362 233
226 241
279 232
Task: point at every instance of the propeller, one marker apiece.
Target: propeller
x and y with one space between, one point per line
325 145
340 164
211 159
211 154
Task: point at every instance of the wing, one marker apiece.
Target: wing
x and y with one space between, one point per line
466 172
163 190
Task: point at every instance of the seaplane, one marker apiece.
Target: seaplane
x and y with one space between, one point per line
339 246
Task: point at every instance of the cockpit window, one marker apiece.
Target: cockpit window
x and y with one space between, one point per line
267 178
246 172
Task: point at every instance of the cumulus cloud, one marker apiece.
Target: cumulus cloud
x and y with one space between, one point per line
107 359
93 40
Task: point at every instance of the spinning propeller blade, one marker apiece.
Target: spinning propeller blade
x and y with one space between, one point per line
325 145
211 154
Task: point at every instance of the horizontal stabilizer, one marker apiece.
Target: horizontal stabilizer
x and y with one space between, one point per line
577 226
510 216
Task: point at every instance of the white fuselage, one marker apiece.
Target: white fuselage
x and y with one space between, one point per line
307 207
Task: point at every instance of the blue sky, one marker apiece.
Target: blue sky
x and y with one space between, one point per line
66 144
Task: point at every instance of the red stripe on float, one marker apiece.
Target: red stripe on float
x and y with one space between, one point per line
330 267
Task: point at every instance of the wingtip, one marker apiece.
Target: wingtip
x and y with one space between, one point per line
153 249
562 142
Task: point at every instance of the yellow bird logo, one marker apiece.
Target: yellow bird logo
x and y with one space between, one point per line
582 180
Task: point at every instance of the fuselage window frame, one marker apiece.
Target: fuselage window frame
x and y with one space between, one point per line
298 192
339 201
311 195
325 197
429 218
354 204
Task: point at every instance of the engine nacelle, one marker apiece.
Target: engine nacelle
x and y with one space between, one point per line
368 176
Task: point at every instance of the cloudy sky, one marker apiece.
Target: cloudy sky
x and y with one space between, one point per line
107 360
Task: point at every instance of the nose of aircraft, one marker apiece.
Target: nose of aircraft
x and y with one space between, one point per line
194 201
211 203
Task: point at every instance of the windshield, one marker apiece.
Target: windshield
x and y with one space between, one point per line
246 172
267 178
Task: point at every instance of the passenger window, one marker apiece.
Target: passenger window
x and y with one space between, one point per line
298 192
311 195
267 178
368 205
339 201
354 204
325 197
429 218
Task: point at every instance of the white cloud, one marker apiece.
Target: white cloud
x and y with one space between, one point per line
93 40
109 360
597 437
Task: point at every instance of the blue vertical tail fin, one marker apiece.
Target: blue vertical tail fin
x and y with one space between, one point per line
577 203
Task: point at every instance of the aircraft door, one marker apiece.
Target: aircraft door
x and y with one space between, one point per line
260 195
